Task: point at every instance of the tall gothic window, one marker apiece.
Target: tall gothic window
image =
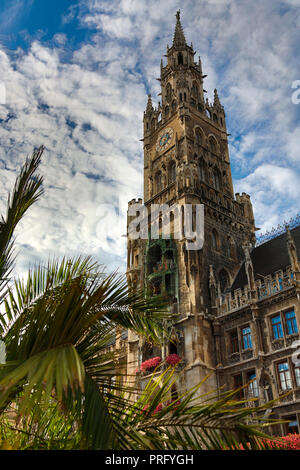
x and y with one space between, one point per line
201 170
195 91
215 240
180 59
167 111
174 105
158 182
217 179
212 145
172 172
168 92
198 139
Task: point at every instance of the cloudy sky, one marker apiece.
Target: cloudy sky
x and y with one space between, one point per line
76 75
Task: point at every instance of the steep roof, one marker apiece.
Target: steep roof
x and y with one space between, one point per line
267 258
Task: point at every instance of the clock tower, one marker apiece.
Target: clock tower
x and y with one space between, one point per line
186 161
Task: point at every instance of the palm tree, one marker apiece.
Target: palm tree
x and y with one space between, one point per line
55 386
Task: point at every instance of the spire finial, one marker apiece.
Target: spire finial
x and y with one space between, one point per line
216 98
179 39
149 107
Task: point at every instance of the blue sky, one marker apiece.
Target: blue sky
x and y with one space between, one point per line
77 74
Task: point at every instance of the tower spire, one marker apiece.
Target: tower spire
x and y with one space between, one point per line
149 107
179 38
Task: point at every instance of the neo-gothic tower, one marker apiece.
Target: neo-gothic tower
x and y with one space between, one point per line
186 161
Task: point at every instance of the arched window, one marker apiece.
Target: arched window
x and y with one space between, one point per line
158 182
217 179
167 110
223 280
215 240
168 92
174 106
215 118
195 91
198 139
212 145
180 97
180 59
153 123
172 172
200 108
184 96
201 170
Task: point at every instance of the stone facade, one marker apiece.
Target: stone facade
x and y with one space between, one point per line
186 161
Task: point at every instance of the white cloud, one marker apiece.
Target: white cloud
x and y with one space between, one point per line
275 192
88 112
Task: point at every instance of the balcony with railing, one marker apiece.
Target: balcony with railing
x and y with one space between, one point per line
265 287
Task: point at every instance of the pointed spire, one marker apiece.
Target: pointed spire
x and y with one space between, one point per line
216 98
149 107
178 39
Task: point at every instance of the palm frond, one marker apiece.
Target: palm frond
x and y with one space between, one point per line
27 189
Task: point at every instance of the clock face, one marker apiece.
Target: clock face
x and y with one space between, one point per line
164 139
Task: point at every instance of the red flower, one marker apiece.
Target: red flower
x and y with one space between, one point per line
150 363
289 442
158 408
173 359
145 410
